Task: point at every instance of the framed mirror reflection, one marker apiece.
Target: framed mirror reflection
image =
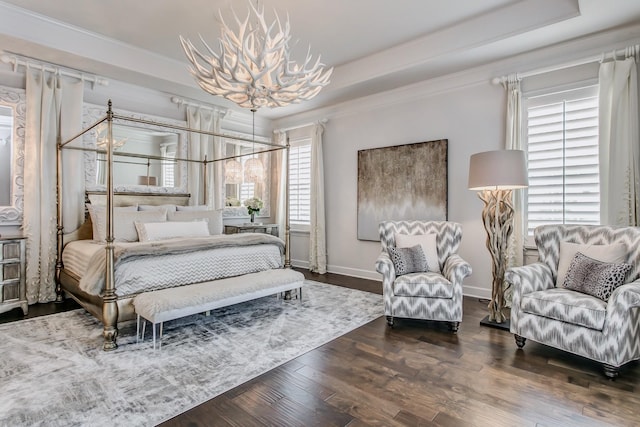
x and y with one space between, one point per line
12 134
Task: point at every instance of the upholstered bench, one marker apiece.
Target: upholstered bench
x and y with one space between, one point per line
173 303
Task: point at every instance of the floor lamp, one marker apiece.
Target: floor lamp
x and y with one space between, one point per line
495 174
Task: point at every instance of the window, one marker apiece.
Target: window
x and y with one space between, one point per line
168 166
562 147
300 182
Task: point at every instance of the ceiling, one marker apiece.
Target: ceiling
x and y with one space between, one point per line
374 45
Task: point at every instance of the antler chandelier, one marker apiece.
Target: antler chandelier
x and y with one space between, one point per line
253 68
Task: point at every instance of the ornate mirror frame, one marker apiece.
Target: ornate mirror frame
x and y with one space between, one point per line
16 100
92 113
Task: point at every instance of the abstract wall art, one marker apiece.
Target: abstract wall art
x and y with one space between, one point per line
401 182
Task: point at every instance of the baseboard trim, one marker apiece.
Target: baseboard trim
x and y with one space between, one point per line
355 272
476 292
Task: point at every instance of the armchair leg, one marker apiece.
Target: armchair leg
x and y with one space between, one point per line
520 341
610 371
390 321
453 327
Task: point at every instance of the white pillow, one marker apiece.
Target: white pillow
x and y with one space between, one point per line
149 231
613 253
214 218
98 214
193 208
124 229
428 242
168 208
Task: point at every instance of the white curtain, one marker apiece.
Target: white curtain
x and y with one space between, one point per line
280 169
514 141
201 145
619 143
54 104
317 233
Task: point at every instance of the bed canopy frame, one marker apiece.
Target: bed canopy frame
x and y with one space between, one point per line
110 298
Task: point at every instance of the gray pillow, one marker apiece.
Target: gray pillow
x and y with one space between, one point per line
593 277
408 260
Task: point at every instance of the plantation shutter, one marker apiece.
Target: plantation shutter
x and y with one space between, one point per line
300 183
562 146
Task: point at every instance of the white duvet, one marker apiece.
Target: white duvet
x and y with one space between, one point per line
135 274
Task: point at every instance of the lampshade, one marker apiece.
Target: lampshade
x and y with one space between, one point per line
232 172
498 170
253 170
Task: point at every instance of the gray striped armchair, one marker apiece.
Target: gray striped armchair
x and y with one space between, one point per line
546 312
424 295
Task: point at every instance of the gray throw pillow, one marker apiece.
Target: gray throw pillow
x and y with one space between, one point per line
593 277
408 260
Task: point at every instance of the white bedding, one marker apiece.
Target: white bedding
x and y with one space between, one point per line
164 271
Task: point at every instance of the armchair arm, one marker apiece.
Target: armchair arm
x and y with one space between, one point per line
455 269
622 300
528 278
384 266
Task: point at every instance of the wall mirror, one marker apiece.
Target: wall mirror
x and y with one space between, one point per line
137 147
237 190
12 131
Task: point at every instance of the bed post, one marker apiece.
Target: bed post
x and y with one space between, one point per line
110 299
287 253
59 232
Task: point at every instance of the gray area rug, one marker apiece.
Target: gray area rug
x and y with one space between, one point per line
53 371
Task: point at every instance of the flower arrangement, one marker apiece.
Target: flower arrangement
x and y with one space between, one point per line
253 205
231 201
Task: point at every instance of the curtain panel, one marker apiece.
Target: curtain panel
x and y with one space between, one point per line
317 232
201 145
619 143
54 106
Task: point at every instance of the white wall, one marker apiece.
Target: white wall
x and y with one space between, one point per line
470 118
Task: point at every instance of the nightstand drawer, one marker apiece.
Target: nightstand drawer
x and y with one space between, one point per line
10 271
10 250
13 269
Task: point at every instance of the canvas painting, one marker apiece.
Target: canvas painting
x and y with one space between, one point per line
402 182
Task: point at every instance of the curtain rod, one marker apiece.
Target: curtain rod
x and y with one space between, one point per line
626 52
52 68
181 101
304 125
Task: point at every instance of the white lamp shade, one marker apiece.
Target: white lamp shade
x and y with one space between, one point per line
253 171
498 170
232 172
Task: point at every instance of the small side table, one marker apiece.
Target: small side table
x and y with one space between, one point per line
252 228
13 270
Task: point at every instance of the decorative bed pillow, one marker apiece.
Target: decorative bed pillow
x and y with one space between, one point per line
98 214
148 231
124 229
214 218
615 252
192 208
593 277
408 260
428 242
168 208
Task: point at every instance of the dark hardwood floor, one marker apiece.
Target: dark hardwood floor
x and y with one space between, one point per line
419 374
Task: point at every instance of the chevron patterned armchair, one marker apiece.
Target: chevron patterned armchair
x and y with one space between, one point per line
543 310
435 294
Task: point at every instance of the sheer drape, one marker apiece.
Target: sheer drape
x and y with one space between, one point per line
619 143
54 104
317 233
280 168
514 141
199 146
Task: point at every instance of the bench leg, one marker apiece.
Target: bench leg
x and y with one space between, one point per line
144 328
153 325
138 329
160 344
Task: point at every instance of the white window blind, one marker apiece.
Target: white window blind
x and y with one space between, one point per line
562 148
300 182
168 166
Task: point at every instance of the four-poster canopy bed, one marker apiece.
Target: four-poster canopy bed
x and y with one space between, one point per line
94 280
